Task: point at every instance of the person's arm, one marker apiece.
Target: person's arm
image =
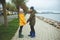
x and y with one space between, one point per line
30 18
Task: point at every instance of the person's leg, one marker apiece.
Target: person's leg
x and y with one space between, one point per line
32 32
20 32
32 29
20 29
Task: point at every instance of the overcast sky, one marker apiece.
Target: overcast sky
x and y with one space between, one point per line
45 5
8 0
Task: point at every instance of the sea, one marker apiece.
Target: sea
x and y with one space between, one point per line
55 17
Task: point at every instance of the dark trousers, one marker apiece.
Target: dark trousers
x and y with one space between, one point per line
32 28
20 30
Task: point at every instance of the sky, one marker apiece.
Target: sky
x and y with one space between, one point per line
45 5
8 0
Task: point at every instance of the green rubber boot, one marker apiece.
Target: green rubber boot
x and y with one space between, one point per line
21 36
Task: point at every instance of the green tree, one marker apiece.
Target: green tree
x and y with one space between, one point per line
11 7
19 3
25 8
4 12
8 6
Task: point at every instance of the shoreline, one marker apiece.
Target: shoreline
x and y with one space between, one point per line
50 21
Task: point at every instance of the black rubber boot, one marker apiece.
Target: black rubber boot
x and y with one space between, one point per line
20 32
21 36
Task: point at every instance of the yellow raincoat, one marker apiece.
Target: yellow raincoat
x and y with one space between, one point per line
22 20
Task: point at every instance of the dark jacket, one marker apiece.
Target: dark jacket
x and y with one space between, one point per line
31 19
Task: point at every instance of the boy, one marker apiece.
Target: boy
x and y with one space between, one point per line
32 22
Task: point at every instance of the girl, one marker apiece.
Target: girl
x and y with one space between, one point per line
22 22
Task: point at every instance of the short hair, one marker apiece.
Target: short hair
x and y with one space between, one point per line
32 7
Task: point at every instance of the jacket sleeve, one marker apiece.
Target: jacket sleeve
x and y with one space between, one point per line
30 18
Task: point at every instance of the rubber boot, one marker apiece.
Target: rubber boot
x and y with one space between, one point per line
20 35
32 34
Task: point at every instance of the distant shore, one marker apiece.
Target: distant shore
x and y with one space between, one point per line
50 21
